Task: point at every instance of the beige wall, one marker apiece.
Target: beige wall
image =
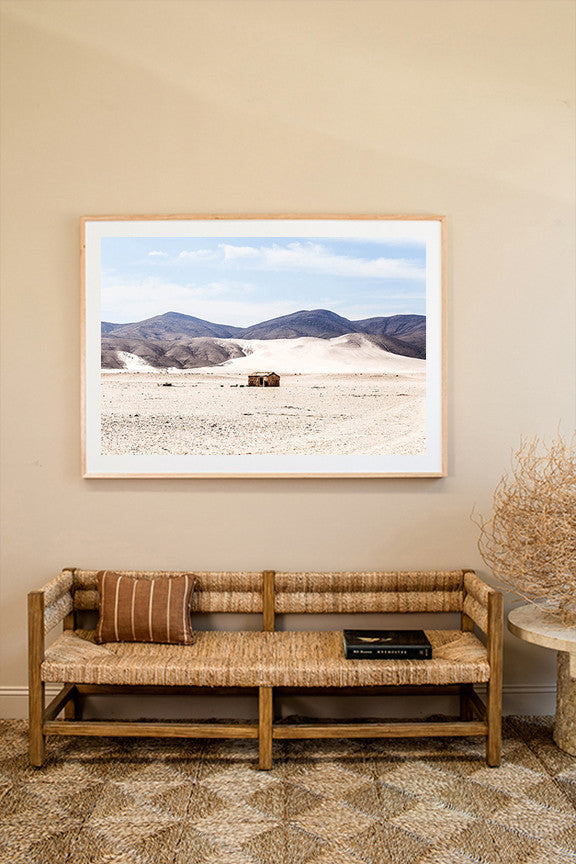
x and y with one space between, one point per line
301 106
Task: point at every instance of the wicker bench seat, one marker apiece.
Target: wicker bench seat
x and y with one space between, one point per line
270 661
256 659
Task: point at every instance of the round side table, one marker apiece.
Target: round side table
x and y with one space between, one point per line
534 625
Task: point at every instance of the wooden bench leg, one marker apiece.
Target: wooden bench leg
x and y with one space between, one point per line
494 718
494 695
35 683
36 736
265 714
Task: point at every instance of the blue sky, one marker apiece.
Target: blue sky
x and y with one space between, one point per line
241 281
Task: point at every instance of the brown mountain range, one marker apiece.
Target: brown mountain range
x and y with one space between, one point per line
185 342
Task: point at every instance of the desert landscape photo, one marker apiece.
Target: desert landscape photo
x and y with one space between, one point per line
312 381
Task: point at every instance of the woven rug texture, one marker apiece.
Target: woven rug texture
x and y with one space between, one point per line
427 801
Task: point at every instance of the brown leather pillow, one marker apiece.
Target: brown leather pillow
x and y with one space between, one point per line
145 610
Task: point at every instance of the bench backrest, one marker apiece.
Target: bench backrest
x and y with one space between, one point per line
213 592
305 592
369 592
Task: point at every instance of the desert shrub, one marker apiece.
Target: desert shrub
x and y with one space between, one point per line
529 542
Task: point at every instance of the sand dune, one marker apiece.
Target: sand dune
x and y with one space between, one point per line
132 363
350 353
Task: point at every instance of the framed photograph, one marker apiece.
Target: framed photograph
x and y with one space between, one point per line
263 346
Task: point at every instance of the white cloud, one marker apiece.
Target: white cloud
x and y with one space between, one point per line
197 255
315 258
158 254
232 253
302 256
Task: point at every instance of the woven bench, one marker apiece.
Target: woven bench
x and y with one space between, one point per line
268 660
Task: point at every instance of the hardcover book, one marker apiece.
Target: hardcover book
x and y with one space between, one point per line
387 644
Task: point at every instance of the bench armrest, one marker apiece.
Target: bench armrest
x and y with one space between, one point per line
479 599
484 606
52 603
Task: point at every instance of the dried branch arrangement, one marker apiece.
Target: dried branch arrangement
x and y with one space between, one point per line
530 540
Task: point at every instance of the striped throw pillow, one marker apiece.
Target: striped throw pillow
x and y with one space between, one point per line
145 610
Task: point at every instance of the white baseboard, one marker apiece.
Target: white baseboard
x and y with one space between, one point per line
14 701
517 699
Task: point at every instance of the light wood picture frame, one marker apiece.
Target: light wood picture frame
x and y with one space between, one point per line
263 346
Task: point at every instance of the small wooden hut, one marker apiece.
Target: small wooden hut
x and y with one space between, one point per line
263 379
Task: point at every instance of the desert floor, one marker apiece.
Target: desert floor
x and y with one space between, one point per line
209 413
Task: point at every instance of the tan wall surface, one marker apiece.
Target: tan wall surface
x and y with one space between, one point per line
301 106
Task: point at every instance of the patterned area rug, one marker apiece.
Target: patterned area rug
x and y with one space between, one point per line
431 801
